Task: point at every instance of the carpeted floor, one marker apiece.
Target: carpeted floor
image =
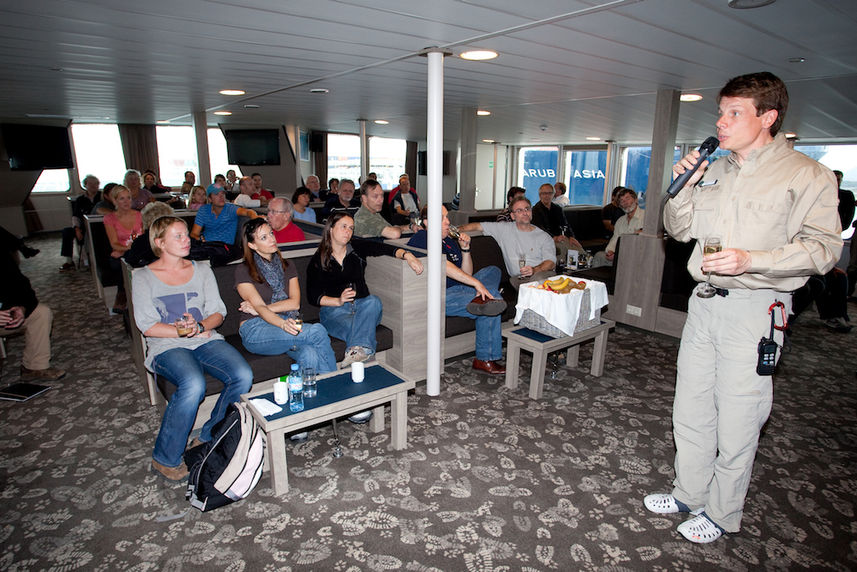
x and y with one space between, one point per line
490 480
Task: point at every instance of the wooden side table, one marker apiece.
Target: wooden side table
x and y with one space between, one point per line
540 345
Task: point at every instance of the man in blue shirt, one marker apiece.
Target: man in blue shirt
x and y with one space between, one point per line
218 220
468 295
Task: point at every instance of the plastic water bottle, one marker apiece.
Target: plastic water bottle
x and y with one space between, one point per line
281 390
296 389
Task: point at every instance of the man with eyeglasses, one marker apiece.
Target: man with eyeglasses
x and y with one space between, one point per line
528 251
280 218
342 200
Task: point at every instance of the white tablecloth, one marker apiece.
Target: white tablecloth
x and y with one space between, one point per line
560 310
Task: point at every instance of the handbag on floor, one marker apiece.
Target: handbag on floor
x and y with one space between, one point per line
227 468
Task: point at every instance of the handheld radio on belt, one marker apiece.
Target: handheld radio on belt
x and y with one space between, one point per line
767 346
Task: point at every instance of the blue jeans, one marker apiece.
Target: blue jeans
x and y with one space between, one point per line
357 329
187 368
310 348
489 343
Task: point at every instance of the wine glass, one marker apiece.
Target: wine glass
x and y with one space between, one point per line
353 286
454 233
712 245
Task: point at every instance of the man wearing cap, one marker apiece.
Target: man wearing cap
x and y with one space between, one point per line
218 220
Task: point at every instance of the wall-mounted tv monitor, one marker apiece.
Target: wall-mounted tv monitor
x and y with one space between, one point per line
252 146
36 147
422 162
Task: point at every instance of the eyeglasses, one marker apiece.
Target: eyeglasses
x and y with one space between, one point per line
522 210
276 211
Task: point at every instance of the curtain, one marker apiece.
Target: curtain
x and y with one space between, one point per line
411 163
140 147
320 160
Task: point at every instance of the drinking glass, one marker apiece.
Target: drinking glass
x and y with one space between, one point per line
454 233
353 286
712 245
522 260
299 322
182 327
310 383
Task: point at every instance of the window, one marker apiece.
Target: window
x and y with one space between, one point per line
635 169
836 157
585 175
176 153
98 149
52 181
387 160
217 154
536 166
343 157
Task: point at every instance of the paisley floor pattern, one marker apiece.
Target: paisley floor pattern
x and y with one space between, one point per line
490 480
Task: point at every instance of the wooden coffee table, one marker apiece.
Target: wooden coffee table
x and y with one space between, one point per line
337 396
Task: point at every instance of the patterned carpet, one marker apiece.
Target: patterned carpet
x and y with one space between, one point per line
490 480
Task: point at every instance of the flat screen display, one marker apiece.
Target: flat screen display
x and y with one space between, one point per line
252 146
37 147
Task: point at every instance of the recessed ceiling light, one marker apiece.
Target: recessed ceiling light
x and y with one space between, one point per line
488 141
319 90
483 112
593 138
790 135
747 4
688 97
797 60
382 122
251 106
223 113
232 92
478 55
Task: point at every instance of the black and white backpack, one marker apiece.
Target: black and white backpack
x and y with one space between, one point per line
227 468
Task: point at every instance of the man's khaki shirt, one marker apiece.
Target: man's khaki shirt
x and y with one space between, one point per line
780 205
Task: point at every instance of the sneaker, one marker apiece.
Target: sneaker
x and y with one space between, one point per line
362 417
350 357
49 374
173 474
196 443
300 437
700 529
667 504
837 325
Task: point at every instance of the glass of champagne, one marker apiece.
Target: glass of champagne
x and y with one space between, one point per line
454 233
712 245
299 321
522 261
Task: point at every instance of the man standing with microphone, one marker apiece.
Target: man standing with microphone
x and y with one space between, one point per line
774 211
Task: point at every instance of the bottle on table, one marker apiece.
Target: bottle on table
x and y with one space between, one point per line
296 389
281 390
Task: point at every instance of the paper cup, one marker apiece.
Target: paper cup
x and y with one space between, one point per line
357 372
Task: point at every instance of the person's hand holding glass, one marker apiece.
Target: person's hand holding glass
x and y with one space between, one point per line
711 246
348 295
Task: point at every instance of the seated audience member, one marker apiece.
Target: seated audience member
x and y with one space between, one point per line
140 197
512 194
246 192
314 186
197 198
368 221
468 295
612 212
231 183
190 178
343 200
20 309
336 282
161 193
11 244
105 205
332 189
551 219
560 198
404 202
630 223
300 201
218 220
140 254
122 227
280 218
268 285
80 206
528 251
169 289
259 192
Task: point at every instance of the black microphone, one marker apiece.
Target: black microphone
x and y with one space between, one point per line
708 147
